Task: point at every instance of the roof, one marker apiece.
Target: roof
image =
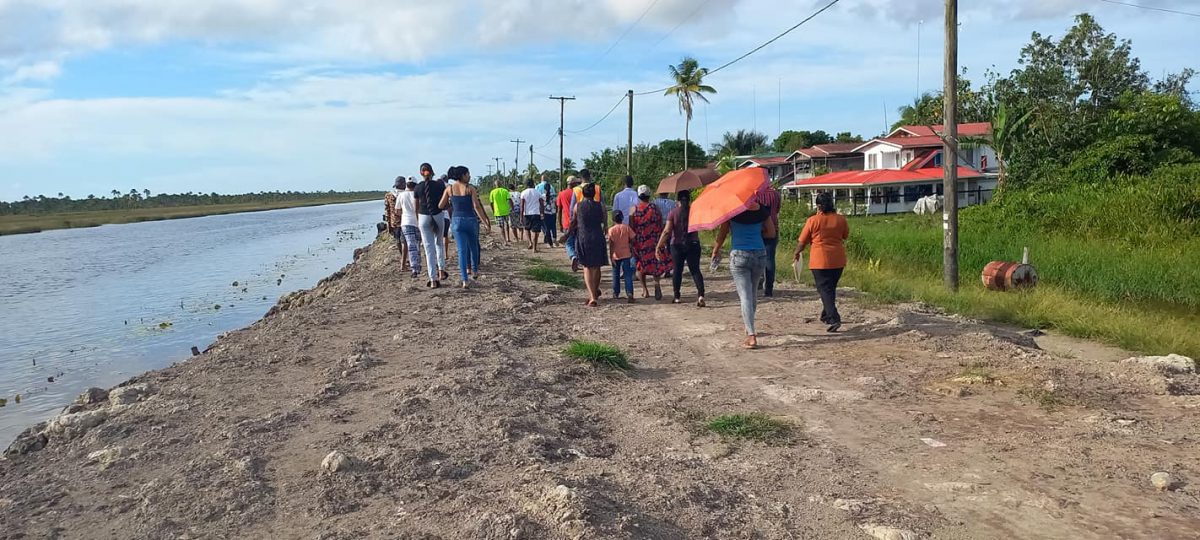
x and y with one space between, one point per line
880 176
973 129
825 150
924 141
765 161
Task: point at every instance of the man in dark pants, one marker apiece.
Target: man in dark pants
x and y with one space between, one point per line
770 199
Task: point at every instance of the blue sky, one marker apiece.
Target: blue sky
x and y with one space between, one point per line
249 95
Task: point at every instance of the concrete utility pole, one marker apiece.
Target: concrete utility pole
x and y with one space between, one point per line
950 151
629 148
531 158
517 161
562 113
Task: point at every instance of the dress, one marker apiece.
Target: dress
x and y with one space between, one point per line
588 225
647 225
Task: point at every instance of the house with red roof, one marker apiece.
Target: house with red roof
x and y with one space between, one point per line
905 166
826 158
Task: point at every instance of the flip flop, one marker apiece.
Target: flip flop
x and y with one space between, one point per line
700 302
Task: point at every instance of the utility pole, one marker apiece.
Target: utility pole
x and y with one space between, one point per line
950 151
517 161
499 171
629 142
531 158
919 24
562 112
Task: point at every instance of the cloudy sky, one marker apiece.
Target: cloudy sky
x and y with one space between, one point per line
248 95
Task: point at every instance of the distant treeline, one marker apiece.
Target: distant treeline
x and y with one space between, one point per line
116 200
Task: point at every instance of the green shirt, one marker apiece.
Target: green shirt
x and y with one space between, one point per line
501 205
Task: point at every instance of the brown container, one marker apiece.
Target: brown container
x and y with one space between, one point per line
1006 276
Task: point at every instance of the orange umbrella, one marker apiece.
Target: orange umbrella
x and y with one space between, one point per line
680 181
726 198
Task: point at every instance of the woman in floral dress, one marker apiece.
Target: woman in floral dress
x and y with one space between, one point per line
647 224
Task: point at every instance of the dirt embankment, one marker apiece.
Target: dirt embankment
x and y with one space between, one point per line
370 406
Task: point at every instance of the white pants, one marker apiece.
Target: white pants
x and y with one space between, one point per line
433 228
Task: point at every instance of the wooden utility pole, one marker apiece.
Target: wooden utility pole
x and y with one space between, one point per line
517 161
629 142
531 159
562 112
499 171
950 151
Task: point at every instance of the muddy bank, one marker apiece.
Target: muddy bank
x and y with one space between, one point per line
370 406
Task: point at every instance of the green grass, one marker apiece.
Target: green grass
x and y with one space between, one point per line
1144 298
1046 399
599 354
22 224
553 275
753 426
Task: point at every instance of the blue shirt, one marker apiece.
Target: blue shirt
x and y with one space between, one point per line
665 206
747 237
545 189
625 201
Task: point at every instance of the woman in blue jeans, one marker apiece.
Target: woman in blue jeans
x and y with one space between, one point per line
747 260
463 200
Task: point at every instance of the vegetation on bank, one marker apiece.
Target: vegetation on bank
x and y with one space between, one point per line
599 354
47 213
1102 183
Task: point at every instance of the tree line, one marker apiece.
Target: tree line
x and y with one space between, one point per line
132 199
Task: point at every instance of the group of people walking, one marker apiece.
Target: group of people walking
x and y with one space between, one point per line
423 215
648 241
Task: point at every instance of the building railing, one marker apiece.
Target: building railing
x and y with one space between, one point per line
891 202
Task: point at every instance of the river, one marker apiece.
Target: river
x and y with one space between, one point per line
93 307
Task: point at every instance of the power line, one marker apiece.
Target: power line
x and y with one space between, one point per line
605 117
681 23
1152 8
758 48
550 140
629 29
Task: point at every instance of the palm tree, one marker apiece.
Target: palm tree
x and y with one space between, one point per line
1004 128
741 143
689 85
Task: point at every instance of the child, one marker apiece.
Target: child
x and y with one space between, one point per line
620 239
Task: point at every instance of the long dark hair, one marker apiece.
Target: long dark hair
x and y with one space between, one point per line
685 206
825 203
589 191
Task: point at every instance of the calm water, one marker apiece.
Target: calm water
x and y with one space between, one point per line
93 307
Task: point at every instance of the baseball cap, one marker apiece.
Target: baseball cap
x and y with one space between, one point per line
572 180
643 190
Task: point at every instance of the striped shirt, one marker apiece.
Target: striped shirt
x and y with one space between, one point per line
770 198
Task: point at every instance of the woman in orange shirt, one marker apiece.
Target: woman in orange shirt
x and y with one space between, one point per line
825 231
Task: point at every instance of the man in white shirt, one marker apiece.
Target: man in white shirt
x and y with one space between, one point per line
533 207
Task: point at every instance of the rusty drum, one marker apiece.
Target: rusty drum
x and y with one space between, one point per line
1006 276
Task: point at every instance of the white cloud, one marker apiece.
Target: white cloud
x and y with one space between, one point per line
39 72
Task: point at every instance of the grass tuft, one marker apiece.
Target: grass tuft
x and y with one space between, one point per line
1046 399
599 354
753 426
554 275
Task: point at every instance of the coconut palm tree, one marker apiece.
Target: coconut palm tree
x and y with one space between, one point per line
688 79
740 143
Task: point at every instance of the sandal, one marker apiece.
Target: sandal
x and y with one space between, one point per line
700 302
748 345
443 274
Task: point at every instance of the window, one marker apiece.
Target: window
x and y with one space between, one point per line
892 194
871 161
937 159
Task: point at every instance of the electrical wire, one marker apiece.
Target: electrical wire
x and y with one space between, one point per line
628 29
603 118
758 48
681 23
1151 8
548 141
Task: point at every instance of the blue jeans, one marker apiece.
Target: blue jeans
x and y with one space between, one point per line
748 268
571 247
466 238
623 267
549 229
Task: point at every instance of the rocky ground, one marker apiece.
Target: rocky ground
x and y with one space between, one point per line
372 407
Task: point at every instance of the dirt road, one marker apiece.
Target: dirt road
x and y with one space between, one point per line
370 406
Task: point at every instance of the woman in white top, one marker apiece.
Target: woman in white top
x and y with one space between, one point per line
406 208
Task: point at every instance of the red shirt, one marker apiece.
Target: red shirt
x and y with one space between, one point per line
563 201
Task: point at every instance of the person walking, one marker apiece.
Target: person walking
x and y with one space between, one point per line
406 208
770 199
826 231
533 206
549 222
462 197
587 227
747 259
664 204
685 248
392 218
620 253
565 203
501 207
647 225
627 198
429 195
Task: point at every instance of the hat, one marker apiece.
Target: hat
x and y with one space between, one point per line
573 180
643 190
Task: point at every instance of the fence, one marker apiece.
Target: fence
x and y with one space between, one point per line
889 200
